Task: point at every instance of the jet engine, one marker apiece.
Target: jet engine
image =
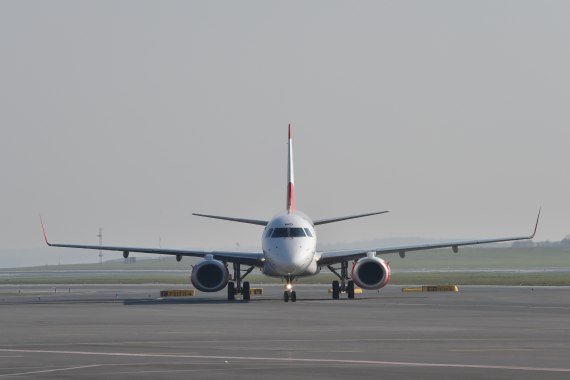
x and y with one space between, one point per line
371 273
209 276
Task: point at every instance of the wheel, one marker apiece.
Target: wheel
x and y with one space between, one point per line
293 296
350 290
245 291
335 290
286 296
231 291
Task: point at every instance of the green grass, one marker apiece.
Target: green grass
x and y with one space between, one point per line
168 263
23 294
469 259
482 278
456 278
475 258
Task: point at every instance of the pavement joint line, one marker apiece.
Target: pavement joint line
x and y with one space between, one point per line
50 370
279 359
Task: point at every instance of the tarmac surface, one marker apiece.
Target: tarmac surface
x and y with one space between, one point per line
128 332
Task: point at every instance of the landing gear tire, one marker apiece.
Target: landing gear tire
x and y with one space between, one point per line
231 291
286 296
335 290
350 290
293 296
245 291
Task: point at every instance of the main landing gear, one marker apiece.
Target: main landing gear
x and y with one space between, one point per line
289 293
237 287
346 285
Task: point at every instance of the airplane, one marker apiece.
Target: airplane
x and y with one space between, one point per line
289 251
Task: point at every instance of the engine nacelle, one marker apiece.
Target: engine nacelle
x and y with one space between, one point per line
209 276
371 273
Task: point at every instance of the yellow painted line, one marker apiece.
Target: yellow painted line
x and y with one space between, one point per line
432 288
178 293
412 290
356 291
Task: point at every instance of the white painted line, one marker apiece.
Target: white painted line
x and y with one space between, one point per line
50 370
241 341
293 360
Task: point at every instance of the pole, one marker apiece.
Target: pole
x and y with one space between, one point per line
100 236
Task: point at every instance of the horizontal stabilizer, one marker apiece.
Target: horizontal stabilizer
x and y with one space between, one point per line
240 220
333 220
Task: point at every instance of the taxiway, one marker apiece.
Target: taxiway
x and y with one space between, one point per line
114 331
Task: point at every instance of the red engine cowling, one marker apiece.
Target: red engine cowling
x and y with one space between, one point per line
371 273
209 276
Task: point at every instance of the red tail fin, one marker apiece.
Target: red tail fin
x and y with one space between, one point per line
290 177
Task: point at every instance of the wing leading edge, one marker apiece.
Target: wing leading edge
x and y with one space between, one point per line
332 257
246 258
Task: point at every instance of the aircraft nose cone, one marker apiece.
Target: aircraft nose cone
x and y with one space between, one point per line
290 258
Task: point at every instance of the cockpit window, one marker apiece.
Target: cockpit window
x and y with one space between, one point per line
280 233
288 232
296 232
269 232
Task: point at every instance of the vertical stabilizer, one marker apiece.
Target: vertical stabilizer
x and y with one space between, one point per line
290 180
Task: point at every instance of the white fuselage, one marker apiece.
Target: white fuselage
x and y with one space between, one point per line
289 245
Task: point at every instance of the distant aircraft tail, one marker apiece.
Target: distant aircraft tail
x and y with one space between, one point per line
290 177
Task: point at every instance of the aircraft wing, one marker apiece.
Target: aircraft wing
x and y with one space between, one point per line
333 257
338 219
232 219
245 258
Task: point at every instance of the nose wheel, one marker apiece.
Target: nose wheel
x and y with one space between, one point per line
289 294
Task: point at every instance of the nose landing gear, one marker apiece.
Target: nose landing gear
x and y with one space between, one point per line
289 293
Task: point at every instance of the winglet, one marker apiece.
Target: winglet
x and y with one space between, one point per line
44 231
536 225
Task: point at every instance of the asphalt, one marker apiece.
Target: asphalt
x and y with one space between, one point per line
128 332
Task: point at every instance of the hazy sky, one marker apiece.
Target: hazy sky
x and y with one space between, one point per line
131 115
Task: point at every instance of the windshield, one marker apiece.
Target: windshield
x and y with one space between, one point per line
288 232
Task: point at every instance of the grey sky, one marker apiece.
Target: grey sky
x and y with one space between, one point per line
131 115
